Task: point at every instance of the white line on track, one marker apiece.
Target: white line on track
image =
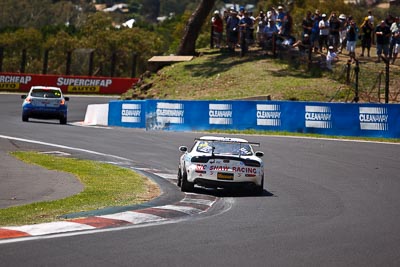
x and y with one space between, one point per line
61 146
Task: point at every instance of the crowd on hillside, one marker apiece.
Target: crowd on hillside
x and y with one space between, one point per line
331 33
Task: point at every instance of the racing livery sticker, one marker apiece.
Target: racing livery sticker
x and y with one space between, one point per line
131 113
373 118
268 115
170 113
220 114
318 117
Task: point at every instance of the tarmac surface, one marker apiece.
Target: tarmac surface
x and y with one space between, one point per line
22 183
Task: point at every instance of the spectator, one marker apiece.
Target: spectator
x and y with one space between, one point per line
396 48
287 25
271 14
315 31
342 32
261 23
323 32
270 32
246 28
371 17
280 16
383 34
352 34
366 36
218 27
303 45
331 57
307 24
270 29
394 27
334 28
232 26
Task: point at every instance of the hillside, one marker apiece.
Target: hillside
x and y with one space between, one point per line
219 75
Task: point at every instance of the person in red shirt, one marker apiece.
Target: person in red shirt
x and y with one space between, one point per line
218 27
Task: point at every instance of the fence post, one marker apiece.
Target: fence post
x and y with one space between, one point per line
45 61
113 63
23 61
68 63
348 71
91 63
387 69
356 70
1 58
212 37
134 64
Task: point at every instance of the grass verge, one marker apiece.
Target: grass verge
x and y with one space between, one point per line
105 185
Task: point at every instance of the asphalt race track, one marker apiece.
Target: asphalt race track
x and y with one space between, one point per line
327 203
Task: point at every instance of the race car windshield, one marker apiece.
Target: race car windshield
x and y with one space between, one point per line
225 148
46 93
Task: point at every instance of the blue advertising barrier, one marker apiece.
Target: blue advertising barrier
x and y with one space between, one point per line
343 119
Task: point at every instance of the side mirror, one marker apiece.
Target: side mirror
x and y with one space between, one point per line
66 98
183 148
259 154
23 96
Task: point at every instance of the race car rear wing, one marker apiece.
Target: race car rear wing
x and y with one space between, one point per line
228 140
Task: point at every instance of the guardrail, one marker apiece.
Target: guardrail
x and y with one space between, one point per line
340 119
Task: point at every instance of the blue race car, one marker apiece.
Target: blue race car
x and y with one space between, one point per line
45 102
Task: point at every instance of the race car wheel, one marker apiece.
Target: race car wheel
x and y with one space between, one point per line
259 190
63 120
186 186
25 117
179 180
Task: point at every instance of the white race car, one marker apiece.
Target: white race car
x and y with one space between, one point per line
221 162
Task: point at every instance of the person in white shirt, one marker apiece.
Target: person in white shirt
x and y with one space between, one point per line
331 57
323 32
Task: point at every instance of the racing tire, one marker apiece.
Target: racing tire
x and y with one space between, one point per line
186 186
63 120
179 179
25 117
259 190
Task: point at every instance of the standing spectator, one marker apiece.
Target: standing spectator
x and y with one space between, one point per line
366 36
334 28
270 32
323 32
371 17
331 57
218 27
272 14
315 31
261 23
232 26
382 33
342 32
280 16
287 25
352 34
246 31
307 24
393 28
396 48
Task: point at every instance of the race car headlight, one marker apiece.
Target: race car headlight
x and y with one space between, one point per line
200 159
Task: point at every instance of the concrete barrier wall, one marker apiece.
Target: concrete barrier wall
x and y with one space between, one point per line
97 114
341 119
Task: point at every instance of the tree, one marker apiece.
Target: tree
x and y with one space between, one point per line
188 42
